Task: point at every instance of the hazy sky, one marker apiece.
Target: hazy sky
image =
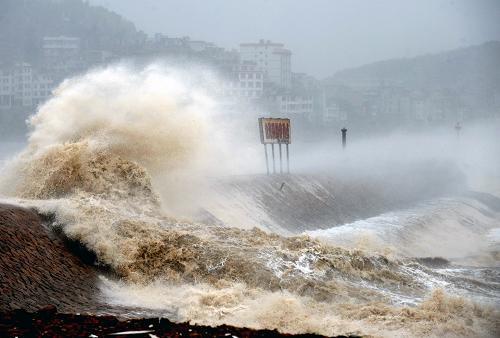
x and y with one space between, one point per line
324 36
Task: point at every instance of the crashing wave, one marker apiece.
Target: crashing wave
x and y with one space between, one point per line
112 152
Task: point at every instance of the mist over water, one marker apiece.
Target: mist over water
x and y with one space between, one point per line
139 165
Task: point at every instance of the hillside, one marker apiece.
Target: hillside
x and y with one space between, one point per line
471 67
23 24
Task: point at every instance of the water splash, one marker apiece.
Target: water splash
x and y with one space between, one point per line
112 157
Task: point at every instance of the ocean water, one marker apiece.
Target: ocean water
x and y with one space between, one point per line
182 240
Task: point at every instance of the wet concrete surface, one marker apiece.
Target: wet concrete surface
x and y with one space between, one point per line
37 269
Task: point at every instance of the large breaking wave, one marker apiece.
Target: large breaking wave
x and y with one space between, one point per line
116 156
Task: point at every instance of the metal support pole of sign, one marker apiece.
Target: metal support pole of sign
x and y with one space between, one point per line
287 160
267 160
274 164
281 161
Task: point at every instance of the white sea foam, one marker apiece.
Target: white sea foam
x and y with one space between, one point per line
117 156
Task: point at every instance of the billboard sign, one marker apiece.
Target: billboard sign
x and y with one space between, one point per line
274 130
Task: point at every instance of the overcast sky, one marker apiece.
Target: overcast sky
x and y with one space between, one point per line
324 36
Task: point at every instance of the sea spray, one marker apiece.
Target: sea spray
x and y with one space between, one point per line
424 230
154 117
112 156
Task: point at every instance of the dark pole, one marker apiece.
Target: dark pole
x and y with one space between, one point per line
281 161
344 137
458 127
267 160
272 151
287 160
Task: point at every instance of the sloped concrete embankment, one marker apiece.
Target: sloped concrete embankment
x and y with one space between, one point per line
37 268
291 204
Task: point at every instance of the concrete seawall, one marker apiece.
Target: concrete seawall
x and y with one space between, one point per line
37 268
291 204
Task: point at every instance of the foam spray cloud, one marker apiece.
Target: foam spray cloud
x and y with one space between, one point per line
155 117
114 149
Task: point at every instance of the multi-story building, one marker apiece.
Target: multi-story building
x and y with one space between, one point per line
60 47
62 54
251 79
273 58
41 89
199 46
164 43
20 86
295 106
6 88
22 77
245 81
333 112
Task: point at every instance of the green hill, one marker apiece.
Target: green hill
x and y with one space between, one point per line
24 23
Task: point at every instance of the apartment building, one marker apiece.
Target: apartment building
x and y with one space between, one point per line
273 58
246 81
21 86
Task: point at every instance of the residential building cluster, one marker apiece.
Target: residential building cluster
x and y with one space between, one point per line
262 74
392 104
259 73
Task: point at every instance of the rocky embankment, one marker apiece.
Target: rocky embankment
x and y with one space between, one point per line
41 273
37 268
48 323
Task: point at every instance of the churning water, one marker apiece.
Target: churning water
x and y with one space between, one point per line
121 159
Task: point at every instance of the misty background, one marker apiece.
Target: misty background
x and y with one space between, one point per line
372 67
325 36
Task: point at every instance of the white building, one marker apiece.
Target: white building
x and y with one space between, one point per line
61 53
246 81
332 112
164 42
60 47
199 46
6 88
295 106
273 58
41 89
21 79
20 86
